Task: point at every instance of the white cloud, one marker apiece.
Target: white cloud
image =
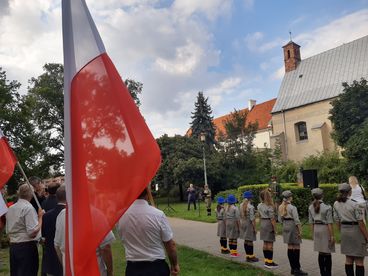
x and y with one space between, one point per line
333 34
168 48
254 43
336 33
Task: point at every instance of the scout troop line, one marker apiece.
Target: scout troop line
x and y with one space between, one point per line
240 223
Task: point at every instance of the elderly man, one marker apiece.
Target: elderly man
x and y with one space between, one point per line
23 227
39 190
146 234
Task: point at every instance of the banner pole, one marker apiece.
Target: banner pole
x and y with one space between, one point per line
29 184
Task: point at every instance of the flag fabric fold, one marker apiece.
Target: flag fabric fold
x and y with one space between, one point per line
8 160
110 153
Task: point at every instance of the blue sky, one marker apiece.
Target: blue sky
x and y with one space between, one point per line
229 49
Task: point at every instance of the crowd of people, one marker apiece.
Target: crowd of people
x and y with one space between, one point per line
348 212
37 220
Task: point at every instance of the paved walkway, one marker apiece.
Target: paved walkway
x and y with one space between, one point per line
202 236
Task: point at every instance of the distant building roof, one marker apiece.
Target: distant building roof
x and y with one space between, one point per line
260 113
320 77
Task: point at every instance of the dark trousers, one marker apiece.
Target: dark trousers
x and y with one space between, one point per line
23 259
194 203
155 268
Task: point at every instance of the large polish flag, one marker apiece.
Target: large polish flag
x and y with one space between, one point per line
7 160
110 154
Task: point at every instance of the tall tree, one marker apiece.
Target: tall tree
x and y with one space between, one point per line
202 120
349 111
349 116
239 134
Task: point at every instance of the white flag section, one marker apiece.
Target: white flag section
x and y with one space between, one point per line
3 207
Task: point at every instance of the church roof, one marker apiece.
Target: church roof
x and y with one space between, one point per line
260 113
320 77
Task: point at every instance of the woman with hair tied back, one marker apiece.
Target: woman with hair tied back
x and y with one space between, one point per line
321 220
291 232
266 210
354 236
248 226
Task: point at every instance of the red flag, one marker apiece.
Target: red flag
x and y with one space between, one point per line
7 160
110 154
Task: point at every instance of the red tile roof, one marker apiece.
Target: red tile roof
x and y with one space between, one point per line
260 113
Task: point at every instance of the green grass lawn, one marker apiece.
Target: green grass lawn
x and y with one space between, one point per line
192 263
181 211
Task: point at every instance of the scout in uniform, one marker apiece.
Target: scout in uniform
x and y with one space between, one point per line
207 199
321 220
232 225
354 236
266 210
248 226
221 225
291 231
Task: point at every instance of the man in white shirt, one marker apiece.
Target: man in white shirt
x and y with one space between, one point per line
146 234
103 252
23 227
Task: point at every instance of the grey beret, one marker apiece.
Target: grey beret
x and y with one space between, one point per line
287 194
344 187
317 191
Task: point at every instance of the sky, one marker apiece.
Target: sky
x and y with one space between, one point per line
229 49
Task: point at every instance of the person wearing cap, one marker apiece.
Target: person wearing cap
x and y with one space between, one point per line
291 231
354 236
266 210
248 226
232 225
221 224
207 198
321 220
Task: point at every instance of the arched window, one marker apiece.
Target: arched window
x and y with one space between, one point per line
301 132
288 54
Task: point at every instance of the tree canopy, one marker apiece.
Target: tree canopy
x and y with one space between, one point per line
202 120
349 116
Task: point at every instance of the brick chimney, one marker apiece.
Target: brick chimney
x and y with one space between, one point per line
291 56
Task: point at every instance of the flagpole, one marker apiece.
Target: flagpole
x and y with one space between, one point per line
150 197
29 184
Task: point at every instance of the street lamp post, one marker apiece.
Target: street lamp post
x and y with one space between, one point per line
203 139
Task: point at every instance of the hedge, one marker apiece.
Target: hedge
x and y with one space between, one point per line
302 196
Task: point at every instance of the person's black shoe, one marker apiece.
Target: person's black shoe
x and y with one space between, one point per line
292 272
300 272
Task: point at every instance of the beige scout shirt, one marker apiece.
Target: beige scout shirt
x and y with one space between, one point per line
324 215
347 211
291 213
21 221
265 211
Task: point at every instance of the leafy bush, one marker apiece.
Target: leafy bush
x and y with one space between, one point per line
302 197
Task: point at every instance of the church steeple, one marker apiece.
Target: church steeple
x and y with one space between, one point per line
291 56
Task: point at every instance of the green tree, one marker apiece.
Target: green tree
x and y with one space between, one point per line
135 89
202 120
356 152
44 105
349 116
239 134
349 111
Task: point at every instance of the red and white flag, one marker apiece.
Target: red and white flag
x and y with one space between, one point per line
7 160
110 154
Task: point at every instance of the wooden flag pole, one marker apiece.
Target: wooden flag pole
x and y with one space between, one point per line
150 197
29 184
